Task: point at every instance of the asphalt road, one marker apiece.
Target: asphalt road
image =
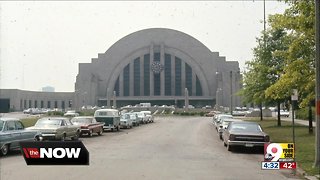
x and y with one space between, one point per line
171 148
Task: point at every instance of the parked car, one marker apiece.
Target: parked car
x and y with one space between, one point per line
139 118
134 118
71 113
284 113
88 125
56 128
217 119
224 124
143 117
126 121
12 132
110 118
149 116
210 114
247 134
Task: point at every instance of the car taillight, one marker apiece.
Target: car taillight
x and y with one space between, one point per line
232 137
267 138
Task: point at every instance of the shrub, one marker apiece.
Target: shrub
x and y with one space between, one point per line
303 113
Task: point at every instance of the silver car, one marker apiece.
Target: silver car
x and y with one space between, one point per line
56 128
12 132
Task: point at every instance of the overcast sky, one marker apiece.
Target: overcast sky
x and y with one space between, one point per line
42 43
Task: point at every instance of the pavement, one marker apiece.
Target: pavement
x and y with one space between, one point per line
299 121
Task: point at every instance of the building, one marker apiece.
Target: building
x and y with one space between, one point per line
155 65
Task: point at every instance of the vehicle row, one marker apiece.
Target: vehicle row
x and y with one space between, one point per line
235 132
12 131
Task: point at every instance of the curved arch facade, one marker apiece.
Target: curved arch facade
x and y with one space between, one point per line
157 65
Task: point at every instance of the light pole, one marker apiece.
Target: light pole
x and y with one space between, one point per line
231 92
294 99
317 31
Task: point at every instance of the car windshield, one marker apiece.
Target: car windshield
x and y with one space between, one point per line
125 116
1 125
81 120
246 127
48 122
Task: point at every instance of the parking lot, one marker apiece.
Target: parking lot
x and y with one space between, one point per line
173 147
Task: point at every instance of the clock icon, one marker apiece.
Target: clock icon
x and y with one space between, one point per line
156 67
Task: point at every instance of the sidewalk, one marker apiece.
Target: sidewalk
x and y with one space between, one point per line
299 121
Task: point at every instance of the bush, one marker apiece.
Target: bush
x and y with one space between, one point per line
304 113
55 113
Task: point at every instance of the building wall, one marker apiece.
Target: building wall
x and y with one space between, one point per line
105 73
20 99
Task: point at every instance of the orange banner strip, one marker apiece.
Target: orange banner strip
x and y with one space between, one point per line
318 107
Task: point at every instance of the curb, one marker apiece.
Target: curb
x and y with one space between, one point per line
302 173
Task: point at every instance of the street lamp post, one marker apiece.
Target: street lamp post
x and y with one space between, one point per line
317 59
231 105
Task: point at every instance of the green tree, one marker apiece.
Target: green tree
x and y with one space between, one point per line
298 68
266 67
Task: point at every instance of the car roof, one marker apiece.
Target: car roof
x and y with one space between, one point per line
79 117
59 118
244 122
232 120
112 110
8 119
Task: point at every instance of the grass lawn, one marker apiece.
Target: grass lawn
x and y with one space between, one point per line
305 142
29 121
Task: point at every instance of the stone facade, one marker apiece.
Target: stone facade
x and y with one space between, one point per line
153 65
157 65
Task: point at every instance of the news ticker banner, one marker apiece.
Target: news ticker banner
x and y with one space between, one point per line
279 156
55 153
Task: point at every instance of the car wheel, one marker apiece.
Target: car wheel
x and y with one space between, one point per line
63 138
76 137
5 149
100 132
90 133
36 138
229 148
118 128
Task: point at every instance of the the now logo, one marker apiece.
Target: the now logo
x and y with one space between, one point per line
55 153
51 152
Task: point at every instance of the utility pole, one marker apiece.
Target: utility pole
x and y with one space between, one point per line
317 31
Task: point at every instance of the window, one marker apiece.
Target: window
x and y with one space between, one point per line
198 87
178 76
146 71
126 80
116 87
62 105
19 125
189 79
11 125
167 75
136 79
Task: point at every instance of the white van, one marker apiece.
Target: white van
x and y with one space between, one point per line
110 118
